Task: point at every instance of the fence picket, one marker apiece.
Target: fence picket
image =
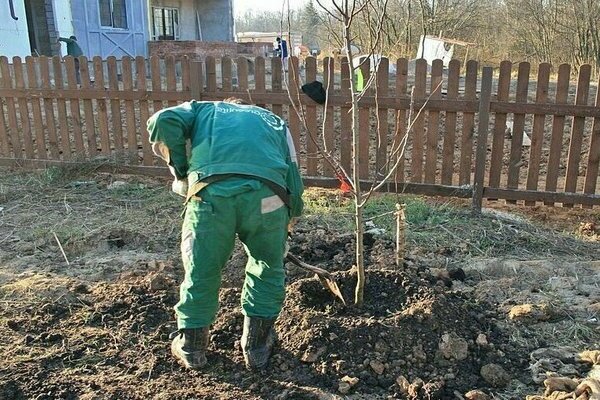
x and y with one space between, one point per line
558 127
482 136
364 126
537 132
74 106
312 134
115 104
500 125
23 109
61 106
400 137
101 103
88 108
186 84
591 173
156 79
516 143
345 120
466 139
127 75
450 125
259 76
433 123
418 128
242 77
226 82
196 79
4 133
328 115
49 109
293 118
32 83
211 74
381 87
276 73
171 75
576 141
142 85
15 138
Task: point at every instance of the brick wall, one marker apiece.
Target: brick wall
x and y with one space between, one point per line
197 50
194 49
52 31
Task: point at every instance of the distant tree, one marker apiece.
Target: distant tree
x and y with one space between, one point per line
310 22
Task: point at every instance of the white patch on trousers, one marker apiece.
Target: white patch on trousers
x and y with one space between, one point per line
270 204
187 244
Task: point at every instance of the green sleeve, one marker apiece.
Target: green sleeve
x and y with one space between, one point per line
294 180
172 127
66 40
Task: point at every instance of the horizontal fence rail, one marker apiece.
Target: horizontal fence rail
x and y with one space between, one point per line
482 133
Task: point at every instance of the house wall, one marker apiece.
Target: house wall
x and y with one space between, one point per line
14 35
97 40
64 21
216 17
64 18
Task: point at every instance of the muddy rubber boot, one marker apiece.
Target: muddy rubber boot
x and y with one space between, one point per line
189 347
258 339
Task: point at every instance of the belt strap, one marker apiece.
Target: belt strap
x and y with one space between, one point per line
197 186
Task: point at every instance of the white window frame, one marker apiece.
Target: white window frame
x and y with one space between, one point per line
176 26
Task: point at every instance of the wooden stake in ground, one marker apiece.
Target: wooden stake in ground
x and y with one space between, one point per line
400 233
61 248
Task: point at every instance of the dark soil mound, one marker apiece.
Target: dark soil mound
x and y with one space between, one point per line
111 341
408 326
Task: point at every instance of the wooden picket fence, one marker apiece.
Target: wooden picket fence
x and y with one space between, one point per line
458 146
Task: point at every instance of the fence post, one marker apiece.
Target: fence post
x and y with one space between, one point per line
482 135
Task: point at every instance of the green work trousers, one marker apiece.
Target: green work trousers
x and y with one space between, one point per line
260 219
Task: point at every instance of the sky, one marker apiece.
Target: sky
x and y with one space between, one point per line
241 6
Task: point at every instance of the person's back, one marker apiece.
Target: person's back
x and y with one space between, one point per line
229 138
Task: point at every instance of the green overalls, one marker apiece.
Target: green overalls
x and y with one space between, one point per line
251 146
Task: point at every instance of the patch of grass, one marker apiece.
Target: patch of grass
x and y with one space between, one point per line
81 209
443 227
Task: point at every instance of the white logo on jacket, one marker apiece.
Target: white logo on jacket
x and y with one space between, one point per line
270 119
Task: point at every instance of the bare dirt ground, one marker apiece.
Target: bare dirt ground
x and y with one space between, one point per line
495 303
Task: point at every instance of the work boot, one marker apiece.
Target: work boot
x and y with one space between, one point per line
258 339
189 347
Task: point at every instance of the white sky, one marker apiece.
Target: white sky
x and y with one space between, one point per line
241 6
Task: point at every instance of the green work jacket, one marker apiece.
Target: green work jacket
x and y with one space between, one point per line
226 139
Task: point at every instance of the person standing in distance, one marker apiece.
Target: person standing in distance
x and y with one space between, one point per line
283 52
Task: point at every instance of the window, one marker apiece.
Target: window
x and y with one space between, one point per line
113 13
165 23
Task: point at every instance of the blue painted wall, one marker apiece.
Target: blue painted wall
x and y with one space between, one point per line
97 40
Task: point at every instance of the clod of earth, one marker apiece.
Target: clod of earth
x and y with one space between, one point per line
495 375
454 347
531 313
476 395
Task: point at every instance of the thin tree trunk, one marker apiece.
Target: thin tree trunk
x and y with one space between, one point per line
358 206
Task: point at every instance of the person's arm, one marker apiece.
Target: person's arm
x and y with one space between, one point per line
293 179
66 40
169 129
